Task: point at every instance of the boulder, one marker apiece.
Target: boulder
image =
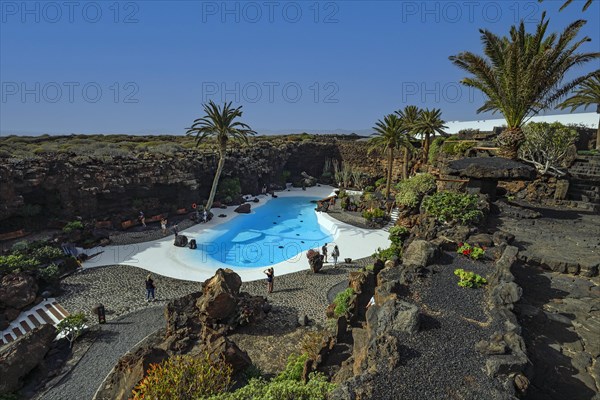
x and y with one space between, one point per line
243 209
500 237
481 240
315 260
18 358
420 253
219 295
17 290
392 315
181 241
222 347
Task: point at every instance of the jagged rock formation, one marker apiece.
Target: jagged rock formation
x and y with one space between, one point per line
62 186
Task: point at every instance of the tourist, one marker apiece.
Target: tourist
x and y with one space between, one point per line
264 189
175 229
270 276
163 225
142 218
335 255
150 288
324 251
204 216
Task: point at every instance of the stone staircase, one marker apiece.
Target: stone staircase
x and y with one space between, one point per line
46 312
584 184
393 218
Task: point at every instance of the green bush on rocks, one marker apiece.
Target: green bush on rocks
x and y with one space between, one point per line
453 207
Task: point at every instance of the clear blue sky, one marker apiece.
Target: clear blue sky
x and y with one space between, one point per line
147 66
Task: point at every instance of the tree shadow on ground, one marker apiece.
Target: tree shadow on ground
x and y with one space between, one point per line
552 374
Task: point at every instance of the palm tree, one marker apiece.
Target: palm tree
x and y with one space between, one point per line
523 74
428 124
409 117
586 94
587 4
387 137
219 123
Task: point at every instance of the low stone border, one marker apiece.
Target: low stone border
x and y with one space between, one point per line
506 351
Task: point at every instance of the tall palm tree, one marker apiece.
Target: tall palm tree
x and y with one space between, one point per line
523 74
587 4
586 94
387 137
409 117
428 125
219 123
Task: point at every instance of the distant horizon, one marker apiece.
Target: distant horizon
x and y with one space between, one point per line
146 67
589 119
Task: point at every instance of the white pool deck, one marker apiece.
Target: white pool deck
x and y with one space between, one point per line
163 258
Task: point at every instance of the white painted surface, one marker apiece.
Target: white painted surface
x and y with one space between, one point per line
162 257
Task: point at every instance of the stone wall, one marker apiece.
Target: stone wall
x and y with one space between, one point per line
62 186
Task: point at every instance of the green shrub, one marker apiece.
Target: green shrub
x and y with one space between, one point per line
380 182
229 187
72 327
457 148
50 273
72 226
342 302
474 252
388 254
452 206
410 191
17 262
434 149
369 188
398 234
546 145
47 253
184 378
20 247
375 213
469 279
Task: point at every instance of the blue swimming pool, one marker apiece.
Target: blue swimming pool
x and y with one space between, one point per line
282 229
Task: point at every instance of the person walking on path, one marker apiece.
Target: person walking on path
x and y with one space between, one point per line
142 218
175 229
270 277
324 251
163 225
335 255
150 288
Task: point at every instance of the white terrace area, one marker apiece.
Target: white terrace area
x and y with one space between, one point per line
163 258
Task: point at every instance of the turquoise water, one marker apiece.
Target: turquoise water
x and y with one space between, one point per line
284 228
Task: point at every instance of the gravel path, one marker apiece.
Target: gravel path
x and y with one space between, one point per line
114 339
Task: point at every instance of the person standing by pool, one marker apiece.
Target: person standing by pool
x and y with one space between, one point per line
163 225
150 288
335 255
142 218
270 277
324 251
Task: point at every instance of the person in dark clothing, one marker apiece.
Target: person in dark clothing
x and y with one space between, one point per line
324 251
150 288
270 277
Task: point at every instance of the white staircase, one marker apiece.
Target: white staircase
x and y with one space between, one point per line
393 218
46 312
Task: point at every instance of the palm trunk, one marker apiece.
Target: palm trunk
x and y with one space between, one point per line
213 189
405 164
426 149
509 142
389 174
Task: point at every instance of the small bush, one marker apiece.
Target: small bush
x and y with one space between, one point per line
50 274
380 182
17 262
398 234
72 226
469 279
388 254
46 254
474 252
342 302
456 148
451 206
435 148
375 213
72 327
184 378
410 191
311 344
369 188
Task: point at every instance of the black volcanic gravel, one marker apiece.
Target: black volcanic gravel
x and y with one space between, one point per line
440 361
